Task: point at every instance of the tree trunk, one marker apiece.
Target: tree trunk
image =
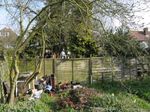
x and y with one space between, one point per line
11 95
15 72
3 99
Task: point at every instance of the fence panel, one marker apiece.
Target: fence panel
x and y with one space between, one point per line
63 70
96 65
81 70
47 68
27 65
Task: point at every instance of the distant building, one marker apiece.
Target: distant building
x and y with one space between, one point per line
7 37
141 35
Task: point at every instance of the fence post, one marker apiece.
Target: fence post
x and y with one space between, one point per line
54 69
54 66
44 66
35 64
90 71
102 75
26 64
72 69
113 68
130 72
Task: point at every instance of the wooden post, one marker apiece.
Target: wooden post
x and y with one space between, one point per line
136 68
54 69
112 78
130 72
26 65
54 66
35 63
90 71
102 77
44 66
113 69
102 74
72 70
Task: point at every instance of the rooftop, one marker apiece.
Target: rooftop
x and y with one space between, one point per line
141 35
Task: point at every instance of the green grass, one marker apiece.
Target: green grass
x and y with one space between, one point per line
127 96
140 88
45 104
120 103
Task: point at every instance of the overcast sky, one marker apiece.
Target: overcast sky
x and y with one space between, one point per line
142 16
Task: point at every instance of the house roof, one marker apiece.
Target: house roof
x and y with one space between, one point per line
140 35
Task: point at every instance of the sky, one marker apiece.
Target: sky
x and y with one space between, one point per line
6 20
3 19
142 17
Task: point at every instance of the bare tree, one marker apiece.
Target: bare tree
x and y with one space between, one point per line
22 9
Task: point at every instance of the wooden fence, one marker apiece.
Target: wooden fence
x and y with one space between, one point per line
86 69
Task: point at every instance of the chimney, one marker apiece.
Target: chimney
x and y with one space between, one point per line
145 31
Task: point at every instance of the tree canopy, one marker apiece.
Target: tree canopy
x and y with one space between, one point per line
69 24
120 44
